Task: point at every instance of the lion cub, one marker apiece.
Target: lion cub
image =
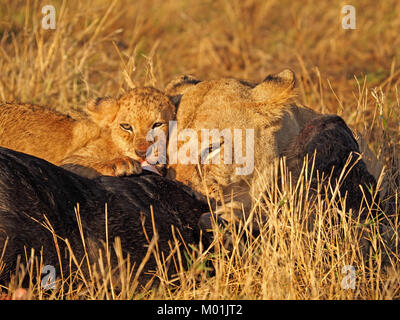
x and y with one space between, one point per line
113 140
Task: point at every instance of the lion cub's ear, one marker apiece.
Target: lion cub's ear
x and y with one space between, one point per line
276 88
102 110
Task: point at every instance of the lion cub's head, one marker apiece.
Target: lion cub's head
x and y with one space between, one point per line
138 121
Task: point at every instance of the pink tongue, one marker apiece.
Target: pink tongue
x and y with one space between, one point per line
147 166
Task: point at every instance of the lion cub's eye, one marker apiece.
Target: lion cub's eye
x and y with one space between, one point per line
157 124
126 127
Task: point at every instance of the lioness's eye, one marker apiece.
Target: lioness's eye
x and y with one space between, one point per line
126 127
157 124
210 152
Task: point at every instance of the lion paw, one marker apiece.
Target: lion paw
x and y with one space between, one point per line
124 166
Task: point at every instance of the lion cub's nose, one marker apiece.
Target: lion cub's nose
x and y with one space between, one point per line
141 154
141 148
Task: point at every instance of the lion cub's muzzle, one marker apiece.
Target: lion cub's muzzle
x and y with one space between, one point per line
141 148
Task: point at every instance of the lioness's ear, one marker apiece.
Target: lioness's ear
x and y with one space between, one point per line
276 88
176 88
102 110
180 84
284 78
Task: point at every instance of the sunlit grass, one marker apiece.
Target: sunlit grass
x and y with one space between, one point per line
105 47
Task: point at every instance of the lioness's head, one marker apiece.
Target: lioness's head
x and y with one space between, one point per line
138 120
227 131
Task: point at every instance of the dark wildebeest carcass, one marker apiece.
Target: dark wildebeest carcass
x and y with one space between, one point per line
335 149
32 189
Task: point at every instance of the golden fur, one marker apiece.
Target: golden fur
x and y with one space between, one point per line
92 146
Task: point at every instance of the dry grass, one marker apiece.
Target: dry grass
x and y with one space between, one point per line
103 48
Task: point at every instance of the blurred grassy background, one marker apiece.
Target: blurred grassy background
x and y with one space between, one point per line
158 40
104 47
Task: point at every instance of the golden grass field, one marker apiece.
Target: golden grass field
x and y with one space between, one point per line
104 47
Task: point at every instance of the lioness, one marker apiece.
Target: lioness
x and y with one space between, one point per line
113 140
226 105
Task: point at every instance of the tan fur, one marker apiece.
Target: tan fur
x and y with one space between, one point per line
92 146
268 108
